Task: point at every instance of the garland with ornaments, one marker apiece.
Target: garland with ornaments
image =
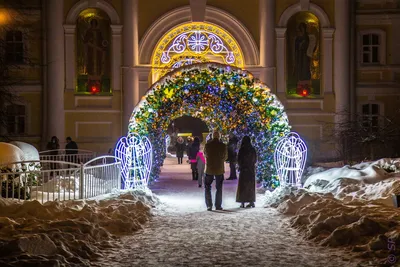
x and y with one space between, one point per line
226 98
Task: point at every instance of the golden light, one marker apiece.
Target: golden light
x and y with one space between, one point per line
5 16
159 68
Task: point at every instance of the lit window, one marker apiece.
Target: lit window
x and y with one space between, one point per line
14 47
16 118
370 117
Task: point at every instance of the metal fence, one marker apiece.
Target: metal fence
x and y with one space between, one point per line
59 180
69 155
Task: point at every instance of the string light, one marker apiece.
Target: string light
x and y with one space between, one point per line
226 98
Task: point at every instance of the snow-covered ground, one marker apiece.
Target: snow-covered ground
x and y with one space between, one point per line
345 213
349 207
69 233
183 233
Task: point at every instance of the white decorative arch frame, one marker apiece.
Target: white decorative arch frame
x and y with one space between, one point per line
327 44
213 15
70 42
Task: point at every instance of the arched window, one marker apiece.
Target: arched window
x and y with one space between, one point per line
93 52
303 77
194 43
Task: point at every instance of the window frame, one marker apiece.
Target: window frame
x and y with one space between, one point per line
379 115
14 43
381 47
26 120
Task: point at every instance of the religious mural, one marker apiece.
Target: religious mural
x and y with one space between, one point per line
93 52
303 56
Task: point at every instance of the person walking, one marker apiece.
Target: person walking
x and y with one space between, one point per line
247 158
201 163
180 147
232 156
194 148
216 153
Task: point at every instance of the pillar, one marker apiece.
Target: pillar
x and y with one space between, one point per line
342 60
267 42
130 60
55 69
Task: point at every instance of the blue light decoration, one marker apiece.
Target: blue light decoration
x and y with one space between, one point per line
167 143
136 155
228 99
290 158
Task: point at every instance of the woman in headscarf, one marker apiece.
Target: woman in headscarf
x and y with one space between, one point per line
180 147
247 158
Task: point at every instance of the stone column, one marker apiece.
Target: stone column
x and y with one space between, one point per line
135 16
130 95
281 59
342 60
267 42
55 69
70 43
116 52
327 34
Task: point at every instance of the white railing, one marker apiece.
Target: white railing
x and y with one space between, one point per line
59 180
69 155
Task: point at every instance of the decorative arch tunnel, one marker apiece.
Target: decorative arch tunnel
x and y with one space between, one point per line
228 99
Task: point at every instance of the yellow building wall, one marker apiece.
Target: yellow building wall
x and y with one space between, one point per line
150 11
246 13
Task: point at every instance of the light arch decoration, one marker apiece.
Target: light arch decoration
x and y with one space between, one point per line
195 42
226 98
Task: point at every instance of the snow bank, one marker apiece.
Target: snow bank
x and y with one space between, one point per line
10 153
348 207
30 152
69 233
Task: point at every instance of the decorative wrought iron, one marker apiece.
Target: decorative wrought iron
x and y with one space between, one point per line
198 42
290 157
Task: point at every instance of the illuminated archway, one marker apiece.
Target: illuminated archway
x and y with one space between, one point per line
195 42
227 98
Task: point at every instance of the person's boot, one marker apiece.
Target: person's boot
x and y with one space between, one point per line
251 205
242 206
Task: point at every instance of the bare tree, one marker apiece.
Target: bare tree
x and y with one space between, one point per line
365 137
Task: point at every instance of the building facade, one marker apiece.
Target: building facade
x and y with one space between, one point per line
326 60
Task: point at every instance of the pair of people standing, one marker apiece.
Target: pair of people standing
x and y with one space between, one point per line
197 161
216 153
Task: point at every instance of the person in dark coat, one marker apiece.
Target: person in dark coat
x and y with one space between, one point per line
53 146
232 156
216 153
247 158
194 148
71 149
180 147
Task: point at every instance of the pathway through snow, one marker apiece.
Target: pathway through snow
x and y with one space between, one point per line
183 233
